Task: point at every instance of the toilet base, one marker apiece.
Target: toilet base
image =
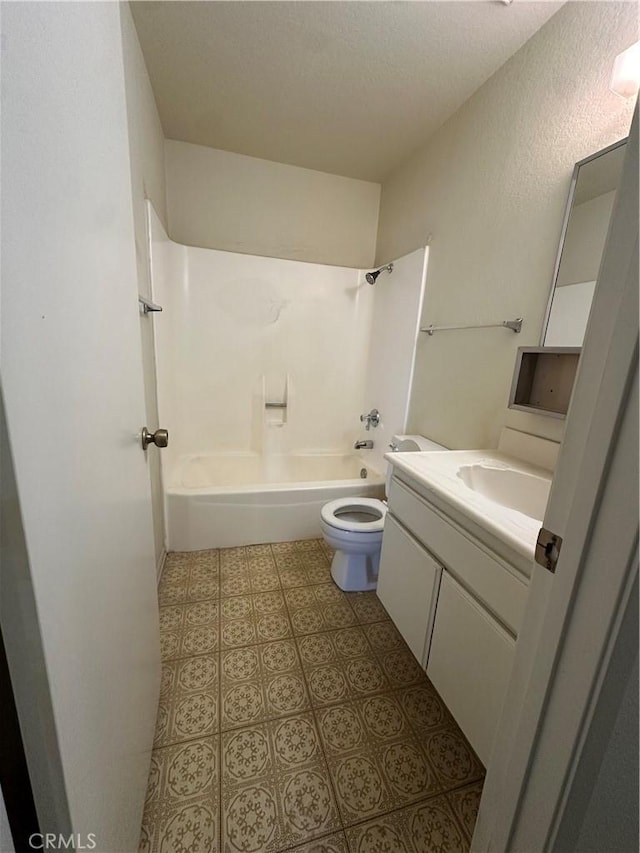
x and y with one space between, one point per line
355 572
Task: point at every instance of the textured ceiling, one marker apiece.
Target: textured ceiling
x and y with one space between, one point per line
350 88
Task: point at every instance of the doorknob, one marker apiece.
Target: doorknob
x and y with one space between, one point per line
160 438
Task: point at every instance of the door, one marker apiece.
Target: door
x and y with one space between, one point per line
74 397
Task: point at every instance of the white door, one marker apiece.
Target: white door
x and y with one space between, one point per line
74 397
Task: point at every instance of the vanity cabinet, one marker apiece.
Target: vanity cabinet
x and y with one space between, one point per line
457 604
408 586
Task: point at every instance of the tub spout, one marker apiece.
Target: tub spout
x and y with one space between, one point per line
363 445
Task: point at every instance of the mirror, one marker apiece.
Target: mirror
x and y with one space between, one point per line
586 222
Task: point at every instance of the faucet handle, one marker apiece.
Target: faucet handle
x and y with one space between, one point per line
372 418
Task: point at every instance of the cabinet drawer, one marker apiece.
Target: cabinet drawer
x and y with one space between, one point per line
408 582
470 664
493 582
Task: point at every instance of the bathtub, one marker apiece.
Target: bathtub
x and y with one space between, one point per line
226 499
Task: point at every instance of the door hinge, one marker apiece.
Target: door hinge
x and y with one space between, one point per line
548 549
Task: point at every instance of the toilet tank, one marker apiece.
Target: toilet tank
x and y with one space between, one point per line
409 444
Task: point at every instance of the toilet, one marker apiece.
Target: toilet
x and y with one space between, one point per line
353 527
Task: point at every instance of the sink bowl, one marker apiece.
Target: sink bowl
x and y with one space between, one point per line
499 498
509 487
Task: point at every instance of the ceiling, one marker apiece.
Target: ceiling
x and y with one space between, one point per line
350 88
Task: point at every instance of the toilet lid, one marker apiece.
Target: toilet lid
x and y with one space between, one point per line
362 514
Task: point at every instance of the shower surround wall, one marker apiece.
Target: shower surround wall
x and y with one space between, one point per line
395 327
238 332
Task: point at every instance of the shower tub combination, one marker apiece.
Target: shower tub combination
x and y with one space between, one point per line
276 359
226 499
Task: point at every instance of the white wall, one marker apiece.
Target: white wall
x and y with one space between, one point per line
232 319
145 135
491 187
220 200
146 146
397 300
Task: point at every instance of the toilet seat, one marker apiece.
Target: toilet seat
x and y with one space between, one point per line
364 505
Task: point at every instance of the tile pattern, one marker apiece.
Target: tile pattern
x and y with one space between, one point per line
340 665
429 827
189 629
188 705
248 619
275 790
293 717
181 807
318 607
374 759
261 682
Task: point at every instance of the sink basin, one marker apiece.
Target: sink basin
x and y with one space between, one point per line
520 490
500 499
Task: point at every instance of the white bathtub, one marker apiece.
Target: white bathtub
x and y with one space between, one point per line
226 499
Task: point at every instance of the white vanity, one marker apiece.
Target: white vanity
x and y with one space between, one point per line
457 554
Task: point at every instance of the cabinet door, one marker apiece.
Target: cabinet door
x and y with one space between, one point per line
469 664
408 583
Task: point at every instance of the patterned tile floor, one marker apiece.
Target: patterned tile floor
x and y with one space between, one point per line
293 717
